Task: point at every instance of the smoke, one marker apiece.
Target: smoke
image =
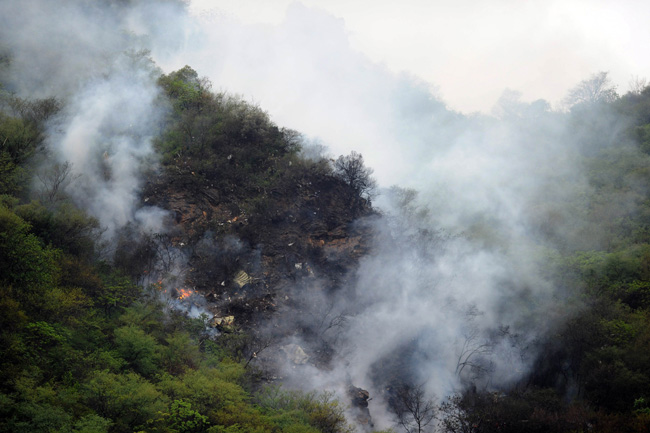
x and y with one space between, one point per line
106 133
456 290
95 57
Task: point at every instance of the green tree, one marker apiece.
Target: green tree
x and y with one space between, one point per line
128 400
139 350
25 263
185 420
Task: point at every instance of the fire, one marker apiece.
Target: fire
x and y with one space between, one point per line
178 293
159 286
184 293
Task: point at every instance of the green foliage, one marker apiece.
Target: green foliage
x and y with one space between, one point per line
12 176
84 349
139 350
116 290
185 420
184 88
42 336
21 136
147 316
65 304
26 265
67 228
92 424
180 353
320 411
221 142
643 137
126 399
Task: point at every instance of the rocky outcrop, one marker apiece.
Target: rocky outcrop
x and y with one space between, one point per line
359 406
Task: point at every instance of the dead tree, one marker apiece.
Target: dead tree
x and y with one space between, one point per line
53 181
352 171
415 412
474 349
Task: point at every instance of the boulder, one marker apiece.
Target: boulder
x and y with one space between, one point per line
295 354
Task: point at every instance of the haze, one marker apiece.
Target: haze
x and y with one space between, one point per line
472 50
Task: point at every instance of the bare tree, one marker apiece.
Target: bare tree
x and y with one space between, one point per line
352 171
598 88
454 417
53 181
637 85
257 344
166 252
331 320
474 347
415 412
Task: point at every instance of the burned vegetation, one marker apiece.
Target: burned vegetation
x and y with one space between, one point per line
262 229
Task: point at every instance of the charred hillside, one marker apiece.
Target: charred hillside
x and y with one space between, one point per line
254 218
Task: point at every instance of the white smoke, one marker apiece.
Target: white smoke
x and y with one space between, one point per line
94 56
467 304
106 133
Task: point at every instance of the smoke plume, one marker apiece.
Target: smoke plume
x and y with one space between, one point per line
95 57
457 289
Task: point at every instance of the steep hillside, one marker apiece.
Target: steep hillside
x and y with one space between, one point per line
304 225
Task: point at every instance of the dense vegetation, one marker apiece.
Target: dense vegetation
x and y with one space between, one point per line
84 348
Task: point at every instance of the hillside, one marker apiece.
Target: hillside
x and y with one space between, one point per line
174 261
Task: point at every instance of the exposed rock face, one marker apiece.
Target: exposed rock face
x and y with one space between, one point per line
358 396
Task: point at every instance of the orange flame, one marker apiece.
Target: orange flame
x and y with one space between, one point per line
184 293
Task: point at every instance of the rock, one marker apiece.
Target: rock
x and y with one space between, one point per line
358 396
359 402
220 322
295 354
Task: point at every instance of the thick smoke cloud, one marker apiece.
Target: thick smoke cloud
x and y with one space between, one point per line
474 49
456 287
106 133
